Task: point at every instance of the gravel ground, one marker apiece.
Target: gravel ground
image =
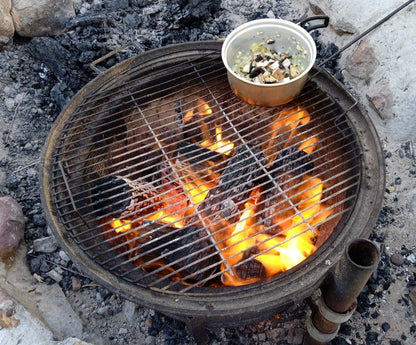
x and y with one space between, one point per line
40 75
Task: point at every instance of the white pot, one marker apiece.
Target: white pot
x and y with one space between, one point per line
288 38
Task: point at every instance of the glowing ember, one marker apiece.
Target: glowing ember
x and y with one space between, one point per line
120 225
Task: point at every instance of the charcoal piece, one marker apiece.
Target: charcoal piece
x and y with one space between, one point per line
291 160
111 195
196 154
199 163
116 196
189 248
251 269
234 186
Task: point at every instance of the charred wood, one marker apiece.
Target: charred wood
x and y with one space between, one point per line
188 249
292 160
226 200
200 162
250 269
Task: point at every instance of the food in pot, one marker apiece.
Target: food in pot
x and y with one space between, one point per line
264 65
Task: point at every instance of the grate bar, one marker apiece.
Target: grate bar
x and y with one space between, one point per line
123 162
318 150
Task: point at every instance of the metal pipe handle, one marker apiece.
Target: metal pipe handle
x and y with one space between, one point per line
94 64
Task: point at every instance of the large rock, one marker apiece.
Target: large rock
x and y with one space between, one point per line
381 98
12 226
362 63
6 22
41 17
19 326
47 305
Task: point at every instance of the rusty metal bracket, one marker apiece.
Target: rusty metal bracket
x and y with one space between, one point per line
94 64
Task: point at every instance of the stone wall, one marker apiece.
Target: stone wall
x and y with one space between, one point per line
31 18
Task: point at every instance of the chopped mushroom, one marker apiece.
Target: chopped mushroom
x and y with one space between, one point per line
263 64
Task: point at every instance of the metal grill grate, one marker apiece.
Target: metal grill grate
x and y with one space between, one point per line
151 131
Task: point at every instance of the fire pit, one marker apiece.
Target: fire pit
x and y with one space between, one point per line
169 190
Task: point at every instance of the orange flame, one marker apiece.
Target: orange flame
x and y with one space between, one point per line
220 145
120 225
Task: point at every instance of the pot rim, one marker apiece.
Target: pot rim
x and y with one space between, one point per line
278 23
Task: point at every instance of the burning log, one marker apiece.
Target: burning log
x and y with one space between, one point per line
119 197
199 165
171 192
287 171
199 157
188 249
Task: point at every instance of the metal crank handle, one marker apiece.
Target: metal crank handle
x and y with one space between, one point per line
94 64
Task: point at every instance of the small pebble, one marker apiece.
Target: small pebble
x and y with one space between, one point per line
122 331
385 326
148 323
45 244
76 283
64 256
55 275
150 340
411 258
397 259
390 189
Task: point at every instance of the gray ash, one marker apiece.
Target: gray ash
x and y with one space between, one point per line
325 51
50 70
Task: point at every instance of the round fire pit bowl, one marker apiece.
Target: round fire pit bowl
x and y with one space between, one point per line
135 113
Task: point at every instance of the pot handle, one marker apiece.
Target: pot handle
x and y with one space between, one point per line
321 22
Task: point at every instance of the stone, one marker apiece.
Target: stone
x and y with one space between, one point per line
45 244
397 259
19 326
129 310
55 275
64 256
150 340
76 283
40 302
123 331
411 258
340 24
381 99
295 336
6 22
12 226
7 311
362 63
276 334
42 17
